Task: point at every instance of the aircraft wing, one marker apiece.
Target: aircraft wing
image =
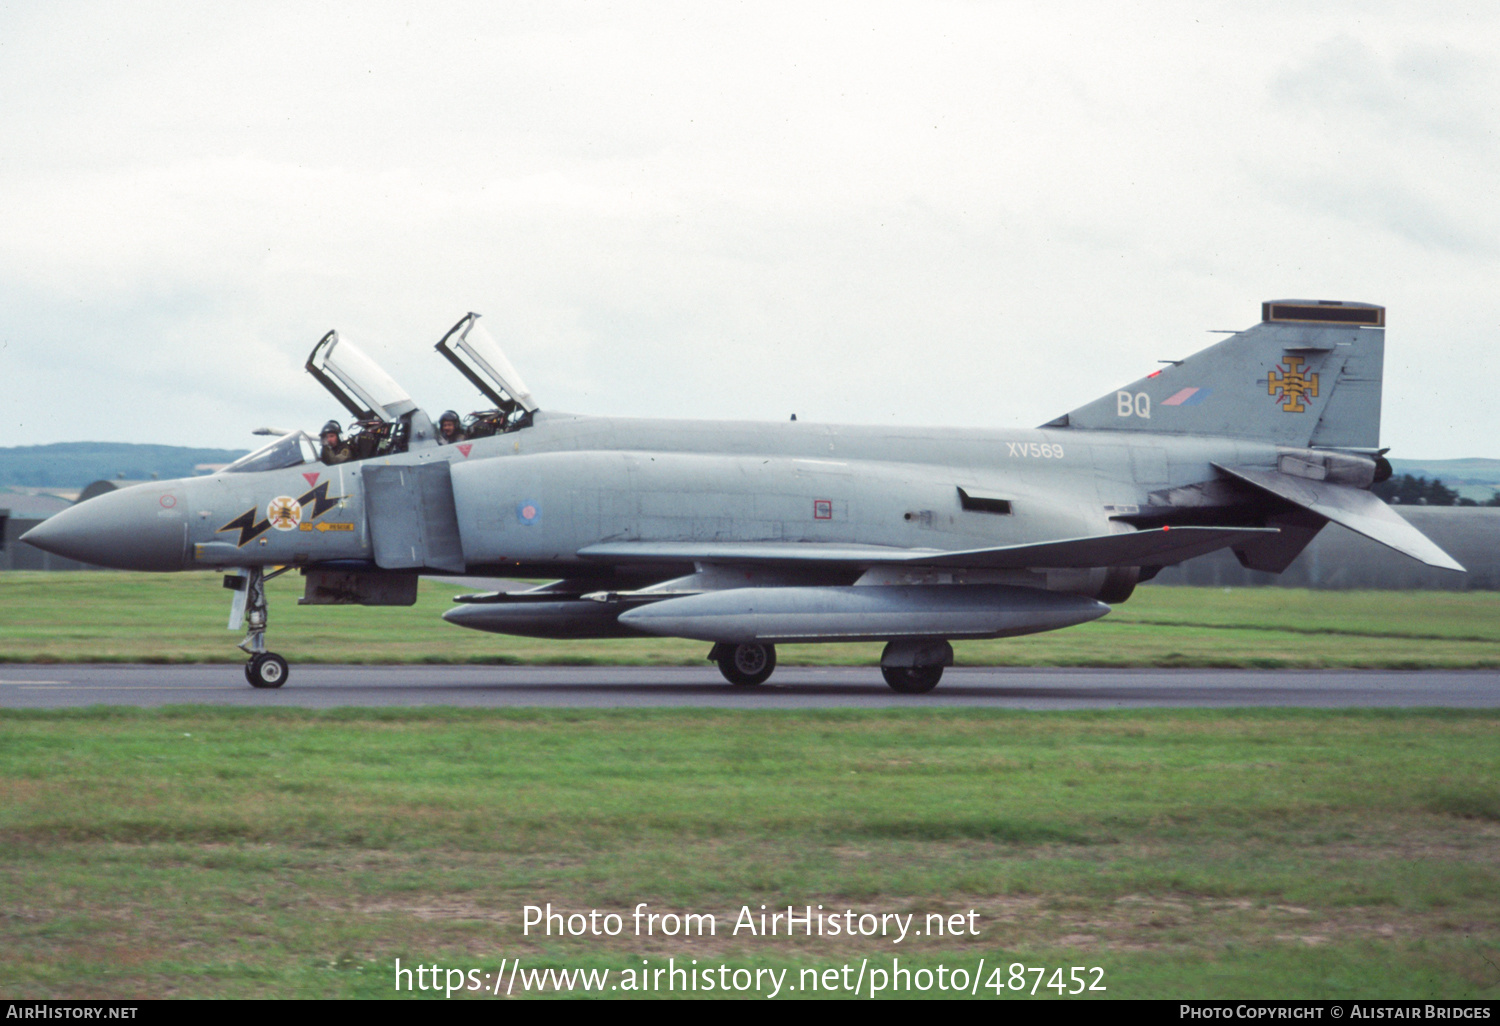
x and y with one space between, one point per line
1157 547
1354 508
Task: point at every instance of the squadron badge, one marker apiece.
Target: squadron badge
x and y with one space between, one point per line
284 513
1291 385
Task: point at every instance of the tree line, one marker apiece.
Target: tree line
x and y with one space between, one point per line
1412 490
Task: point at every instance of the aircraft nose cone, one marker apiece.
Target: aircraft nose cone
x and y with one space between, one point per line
143 527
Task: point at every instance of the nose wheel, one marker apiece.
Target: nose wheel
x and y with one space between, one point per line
266 670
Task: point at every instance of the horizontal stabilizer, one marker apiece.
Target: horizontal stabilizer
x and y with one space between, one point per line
1354 508
1158 547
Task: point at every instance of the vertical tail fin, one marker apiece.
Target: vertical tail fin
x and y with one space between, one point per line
1308 374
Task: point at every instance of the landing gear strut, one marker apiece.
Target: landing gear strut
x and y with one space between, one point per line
745 665
265 669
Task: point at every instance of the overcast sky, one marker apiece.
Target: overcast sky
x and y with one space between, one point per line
969 214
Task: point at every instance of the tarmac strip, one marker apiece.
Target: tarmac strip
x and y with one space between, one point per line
55 686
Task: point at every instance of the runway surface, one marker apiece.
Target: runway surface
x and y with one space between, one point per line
311 686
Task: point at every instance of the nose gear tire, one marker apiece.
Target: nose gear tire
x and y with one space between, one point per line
267 670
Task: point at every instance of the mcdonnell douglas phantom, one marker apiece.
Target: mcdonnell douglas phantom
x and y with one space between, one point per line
746 535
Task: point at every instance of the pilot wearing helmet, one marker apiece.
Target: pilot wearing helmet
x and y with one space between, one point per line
335 450
450 428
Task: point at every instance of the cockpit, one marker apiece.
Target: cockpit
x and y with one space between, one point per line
386 419
479 358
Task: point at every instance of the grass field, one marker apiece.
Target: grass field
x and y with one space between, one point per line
277 853
100 616
268 853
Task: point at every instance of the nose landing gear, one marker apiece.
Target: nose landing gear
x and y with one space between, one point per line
265 669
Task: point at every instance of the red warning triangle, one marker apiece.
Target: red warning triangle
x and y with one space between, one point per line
312 478
465 449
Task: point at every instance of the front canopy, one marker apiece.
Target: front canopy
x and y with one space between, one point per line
289 450
357 381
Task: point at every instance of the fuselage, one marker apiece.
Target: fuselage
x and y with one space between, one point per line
527 501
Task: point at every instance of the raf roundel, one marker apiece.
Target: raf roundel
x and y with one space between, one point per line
528 511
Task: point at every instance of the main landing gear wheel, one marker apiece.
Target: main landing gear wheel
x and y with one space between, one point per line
266 670
912 680
745 665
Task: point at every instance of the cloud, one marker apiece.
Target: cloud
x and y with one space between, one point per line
1402 139
965 214
1425 90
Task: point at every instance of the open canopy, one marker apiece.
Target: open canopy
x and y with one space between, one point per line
479 358
357 381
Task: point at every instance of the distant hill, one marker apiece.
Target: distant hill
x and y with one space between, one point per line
76 464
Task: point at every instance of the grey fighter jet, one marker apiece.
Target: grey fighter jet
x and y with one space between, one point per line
745 535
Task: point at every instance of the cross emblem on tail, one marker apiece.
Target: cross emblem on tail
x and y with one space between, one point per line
1293 385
